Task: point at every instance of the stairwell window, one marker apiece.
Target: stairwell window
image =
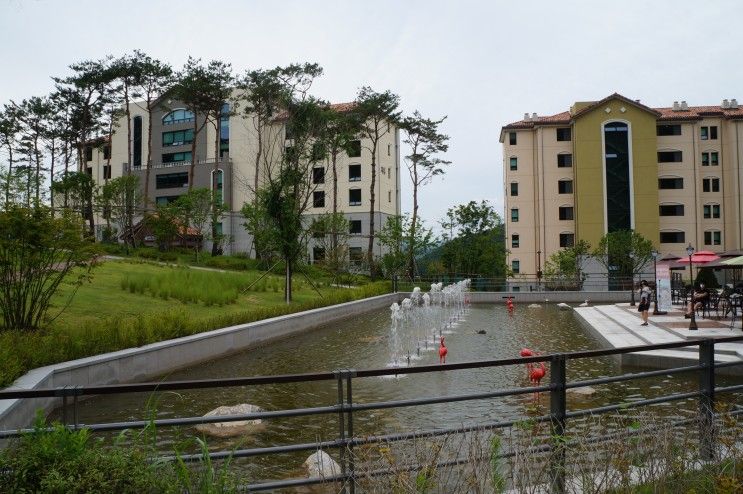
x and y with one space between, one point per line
513 163
713 237
318 199
515 241
672 237
565 160
512 138
567 239
564 186
711 158
671 183
671 209
708 133
564 134
711 211
516 266
670 157
711 184
354 197
354 173
354 227
514 215
514 189
565 213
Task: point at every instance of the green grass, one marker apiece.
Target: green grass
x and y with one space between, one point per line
134 303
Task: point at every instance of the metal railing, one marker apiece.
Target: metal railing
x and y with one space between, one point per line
345 407
526 282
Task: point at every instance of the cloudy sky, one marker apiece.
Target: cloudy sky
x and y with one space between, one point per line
481 63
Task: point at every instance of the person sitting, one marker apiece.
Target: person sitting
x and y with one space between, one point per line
698 299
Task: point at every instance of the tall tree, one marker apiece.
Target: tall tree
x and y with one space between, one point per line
35 113
79 189
426 142
376 113
10 135
155 78
623 253
124 74
396 234
123 197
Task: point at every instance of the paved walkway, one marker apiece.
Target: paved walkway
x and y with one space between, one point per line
618 326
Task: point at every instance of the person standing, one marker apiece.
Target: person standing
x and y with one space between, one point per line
644 306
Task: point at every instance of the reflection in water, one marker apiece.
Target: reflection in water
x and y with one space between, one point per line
362 343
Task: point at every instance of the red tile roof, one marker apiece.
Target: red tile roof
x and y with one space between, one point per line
339 107
663 114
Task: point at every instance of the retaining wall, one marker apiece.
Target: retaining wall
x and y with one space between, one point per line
551 297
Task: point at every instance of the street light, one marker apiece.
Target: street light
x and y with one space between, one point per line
693 319
632 284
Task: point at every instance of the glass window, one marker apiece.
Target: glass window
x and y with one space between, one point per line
704 135
713 238
514 241
88 153
708 133
616 174
106 152
711 211
714 159
356 256
514 215
354 173
671 183
354 149
711 158
669 157
354 227
671 209
171 180
711 185
389 196
567 239
564 160
563 134
224 130
516 266
318 175
106 172
178 116
514 189
162 200
672 237
564 186
512 138
354 197
514 163
218 181
178 137
668 130
318 199
318 255
177 157
566 212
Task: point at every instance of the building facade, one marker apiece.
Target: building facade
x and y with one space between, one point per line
672 174
235 167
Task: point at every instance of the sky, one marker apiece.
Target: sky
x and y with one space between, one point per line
483 64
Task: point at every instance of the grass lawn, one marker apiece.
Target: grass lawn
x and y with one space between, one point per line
132 303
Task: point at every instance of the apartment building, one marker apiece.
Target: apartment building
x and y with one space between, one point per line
172 135
673 174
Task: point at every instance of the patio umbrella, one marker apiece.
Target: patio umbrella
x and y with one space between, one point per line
701 257
734 262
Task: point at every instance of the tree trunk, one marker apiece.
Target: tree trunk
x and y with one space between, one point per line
51 174
10 175
37 158
370 252
258 156
288 282
148 164
193 151
334 237
413 225
217 142
128 129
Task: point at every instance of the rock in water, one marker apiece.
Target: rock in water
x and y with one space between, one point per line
320 465
482 331
563 306
535 306
234 428
582 391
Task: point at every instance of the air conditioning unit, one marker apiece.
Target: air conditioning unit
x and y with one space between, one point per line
733 104
676 106
526 117
534 116
684 106
725 104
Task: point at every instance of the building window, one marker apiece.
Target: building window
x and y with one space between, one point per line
171 180
88 153
668 130
711 158
137 143
712 238
515 288
711 211
178 137
224 130
711 185
671 209
669 157
218 184
516 266
564 186
708 133
564 160
356 256
354 197
180 115
671 183
513 163
106 152
163 200
672 237
566 212
176 157
515 241
389 196
354 227
318 255
318 199
389 150
318 175
354 173
89 170
563 134
514 215
514 189
616 175
512 138
567 239
354 149
106 172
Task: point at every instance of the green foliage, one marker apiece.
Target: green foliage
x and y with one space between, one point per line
120 197
707 276
624 252
497 481
37 251
563 268
396 236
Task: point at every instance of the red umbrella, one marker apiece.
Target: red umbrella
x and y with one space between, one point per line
701 257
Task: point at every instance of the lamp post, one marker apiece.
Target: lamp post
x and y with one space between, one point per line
693 319
632 284
655 255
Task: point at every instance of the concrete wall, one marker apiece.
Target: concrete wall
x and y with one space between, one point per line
551 297
150 361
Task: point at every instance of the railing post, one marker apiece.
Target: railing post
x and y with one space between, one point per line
558 410
339 375
707 439
350 374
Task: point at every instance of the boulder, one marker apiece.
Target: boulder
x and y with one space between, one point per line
582 391
320 465
535 306
234 428
563 306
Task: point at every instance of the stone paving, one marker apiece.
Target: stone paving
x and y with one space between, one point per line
618 326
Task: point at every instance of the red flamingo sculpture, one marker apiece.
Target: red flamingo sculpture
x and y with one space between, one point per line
509 305
527 352
537 373
442 351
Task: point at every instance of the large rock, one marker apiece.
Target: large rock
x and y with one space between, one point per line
320 465
234 428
